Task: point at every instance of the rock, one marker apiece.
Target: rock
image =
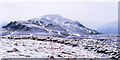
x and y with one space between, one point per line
54 40
21 55
24 55
102 39
115 53
41 39
86 48
52 57
33 38
92 48
15 44
100 51
14 50
64 52
59 56
27 55
9 51
23 45
48 37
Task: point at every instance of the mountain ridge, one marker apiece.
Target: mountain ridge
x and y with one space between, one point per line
49 25
109 28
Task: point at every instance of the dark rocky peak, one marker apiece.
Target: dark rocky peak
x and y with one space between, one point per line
16 25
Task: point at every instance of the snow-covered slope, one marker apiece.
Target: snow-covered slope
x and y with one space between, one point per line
48 25
92 46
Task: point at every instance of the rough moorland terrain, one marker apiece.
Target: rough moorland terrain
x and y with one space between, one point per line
87 46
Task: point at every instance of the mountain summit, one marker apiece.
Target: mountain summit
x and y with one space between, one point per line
47 25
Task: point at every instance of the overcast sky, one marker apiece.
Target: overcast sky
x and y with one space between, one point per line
90 14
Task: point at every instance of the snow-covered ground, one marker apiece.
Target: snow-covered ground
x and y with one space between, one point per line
37 48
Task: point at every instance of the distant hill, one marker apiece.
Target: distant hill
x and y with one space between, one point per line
109 28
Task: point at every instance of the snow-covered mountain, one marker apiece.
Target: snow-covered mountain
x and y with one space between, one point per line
47 25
